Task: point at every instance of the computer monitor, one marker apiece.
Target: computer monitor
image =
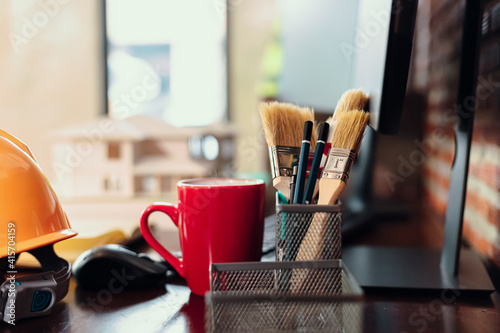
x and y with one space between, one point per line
330 46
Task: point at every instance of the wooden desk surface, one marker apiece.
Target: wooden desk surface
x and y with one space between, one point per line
172 308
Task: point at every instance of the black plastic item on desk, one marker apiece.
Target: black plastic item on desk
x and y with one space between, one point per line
115 265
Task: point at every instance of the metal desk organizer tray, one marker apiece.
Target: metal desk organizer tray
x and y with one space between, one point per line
248 297
308 232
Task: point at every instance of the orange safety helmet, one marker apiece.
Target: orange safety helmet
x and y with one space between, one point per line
31 220
27 201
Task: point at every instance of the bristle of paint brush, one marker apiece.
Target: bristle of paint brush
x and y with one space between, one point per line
283 126
354 99
346 140
283 123
350 128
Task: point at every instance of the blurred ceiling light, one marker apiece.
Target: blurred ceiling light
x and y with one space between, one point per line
210 147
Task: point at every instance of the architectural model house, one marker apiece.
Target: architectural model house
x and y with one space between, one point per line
136 156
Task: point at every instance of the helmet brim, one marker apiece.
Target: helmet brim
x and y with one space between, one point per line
40 241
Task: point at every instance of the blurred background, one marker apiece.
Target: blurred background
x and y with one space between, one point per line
120 99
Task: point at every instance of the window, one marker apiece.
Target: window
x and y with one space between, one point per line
111 184
158 44
113 150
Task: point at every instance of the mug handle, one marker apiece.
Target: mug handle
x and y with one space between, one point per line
173 213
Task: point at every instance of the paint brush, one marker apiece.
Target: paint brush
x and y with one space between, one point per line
347 137
353 99
346 141
303 162
283 124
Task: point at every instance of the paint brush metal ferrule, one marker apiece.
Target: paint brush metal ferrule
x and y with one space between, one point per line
282 159
338 164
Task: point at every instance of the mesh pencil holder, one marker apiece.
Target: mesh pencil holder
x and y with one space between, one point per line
249 297
308 232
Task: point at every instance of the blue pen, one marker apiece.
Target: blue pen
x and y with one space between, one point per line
318 155
303 161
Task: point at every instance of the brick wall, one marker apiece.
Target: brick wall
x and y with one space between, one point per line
435 74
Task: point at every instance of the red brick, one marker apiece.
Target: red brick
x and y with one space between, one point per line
487 132
443 67
438 205
431 174
488 211
479 243
487 172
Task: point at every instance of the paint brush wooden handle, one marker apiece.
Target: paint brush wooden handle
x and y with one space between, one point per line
312 245
331 185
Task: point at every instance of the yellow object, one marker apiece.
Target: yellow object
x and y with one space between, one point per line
30 213
71 249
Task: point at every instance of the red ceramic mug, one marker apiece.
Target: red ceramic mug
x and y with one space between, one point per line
219 220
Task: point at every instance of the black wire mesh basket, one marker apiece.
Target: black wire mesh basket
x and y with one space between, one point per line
310 296
308 232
